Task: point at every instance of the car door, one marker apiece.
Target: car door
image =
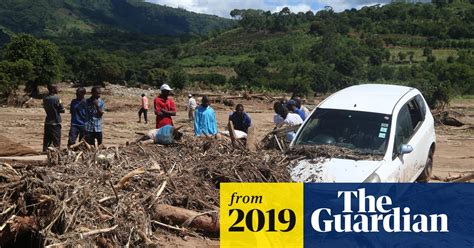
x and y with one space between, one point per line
420 140
403 135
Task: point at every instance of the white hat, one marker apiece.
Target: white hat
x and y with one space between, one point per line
190 95
165 87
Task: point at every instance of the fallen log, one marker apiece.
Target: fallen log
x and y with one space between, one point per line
180 216
464 178
455 179
24 161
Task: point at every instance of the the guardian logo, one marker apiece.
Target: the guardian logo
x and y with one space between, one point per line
375 215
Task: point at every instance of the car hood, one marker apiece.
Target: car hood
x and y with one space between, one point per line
333 170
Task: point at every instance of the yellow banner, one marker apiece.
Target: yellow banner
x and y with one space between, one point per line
261 214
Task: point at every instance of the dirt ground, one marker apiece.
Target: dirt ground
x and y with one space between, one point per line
23 133
23 128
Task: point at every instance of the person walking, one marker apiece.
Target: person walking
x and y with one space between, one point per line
52 124
205 119
143 109
191 107
94 113
164 107
78 117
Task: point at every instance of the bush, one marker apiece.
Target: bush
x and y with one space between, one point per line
178 79
262 61
427 51
430 59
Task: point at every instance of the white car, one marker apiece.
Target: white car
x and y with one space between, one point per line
391 122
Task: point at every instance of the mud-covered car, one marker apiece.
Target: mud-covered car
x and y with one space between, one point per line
392 125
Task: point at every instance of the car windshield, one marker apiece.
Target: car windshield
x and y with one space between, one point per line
362 132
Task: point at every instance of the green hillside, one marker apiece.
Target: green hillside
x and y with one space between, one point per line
426 45
64 17
429 46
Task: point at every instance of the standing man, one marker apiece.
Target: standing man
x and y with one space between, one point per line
94 112
205 119
164 107
143 109
52 124
240 120
78 117
191 107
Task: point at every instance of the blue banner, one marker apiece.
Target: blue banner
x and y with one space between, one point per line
389 215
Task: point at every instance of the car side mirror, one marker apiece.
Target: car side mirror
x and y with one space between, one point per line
405 149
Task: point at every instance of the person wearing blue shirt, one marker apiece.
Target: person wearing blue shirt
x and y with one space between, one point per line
240 120
78 117
292 106
205 119
94 113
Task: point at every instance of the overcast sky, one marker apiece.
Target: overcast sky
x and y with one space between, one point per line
223 7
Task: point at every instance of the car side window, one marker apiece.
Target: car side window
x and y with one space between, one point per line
421 104
415 113
404 129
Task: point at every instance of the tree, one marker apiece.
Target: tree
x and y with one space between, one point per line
450 59
96 67
262 61
376 58
402 56
348 66
248 73
13 74
427 51
236 13
176 51
156 76
430 59
42 54
317 27
178 79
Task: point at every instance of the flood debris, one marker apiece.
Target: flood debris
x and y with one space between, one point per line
125 196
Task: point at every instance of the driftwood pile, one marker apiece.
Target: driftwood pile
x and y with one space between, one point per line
126 196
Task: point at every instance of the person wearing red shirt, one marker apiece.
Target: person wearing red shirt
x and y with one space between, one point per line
164 107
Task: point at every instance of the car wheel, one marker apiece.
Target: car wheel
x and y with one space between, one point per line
426 174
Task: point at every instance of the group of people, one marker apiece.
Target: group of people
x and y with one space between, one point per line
290 113
203 116
86 117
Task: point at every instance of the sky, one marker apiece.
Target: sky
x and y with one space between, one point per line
223 7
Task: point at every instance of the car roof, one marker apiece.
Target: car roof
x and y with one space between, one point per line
375 98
